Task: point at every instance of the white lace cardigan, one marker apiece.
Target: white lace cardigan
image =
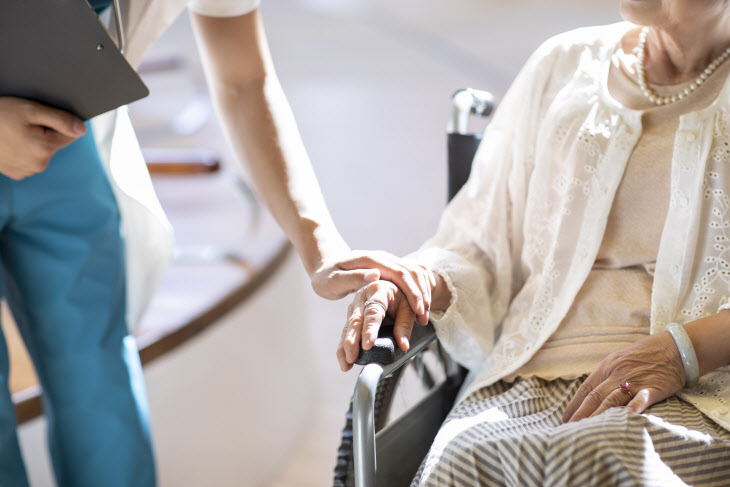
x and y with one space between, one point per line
516 244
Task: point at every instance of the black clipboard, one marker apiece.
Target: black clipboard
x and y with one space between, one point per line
57 52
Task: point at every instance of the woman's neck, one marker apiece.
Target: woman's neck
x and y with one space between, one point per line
680 52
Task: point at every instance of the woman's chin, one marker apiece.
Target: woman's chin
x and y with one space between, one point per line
641 12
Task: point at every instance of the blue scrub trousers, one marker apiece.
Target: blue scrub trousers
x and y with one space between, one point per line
63 275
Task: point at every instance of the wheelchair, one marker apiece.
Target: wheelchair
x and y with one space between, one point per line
376 452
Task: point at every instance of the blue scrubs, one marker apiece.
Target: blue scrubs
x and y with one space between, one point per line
63 275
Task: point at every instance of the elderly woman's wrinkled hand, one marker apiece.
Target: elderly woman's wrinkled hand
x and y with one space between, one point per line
644 373
366 313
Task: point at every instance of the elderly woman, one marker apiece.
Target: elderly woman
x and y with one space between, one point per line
583 273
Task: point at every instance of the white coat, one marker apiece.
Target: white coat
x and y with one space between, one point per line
147 233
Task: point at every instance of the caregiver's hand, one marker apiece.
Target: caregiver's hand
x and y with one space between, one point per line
31 133
365 315
652 366
348 271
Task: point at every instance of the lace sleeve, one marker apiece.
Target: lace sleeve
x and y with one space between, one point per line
476 248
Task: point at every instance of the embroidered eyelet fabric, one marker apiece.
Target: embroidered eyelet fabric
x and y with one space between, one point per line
517 243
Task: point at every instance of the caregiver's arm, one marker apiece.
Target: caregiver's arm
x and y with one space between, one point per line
31 133
370 305
263 132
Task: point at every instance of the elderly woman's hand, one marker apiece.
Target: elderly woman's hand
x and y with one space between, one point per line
653 368
365 315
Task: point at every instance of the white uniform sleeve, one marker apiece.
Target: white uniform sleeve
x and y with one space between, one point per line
223 8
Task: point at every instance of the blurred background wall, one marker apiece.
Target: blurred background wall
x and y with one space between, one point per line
369 82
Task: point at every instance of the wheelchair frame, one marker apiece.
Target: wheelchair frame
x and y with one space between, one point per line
405 442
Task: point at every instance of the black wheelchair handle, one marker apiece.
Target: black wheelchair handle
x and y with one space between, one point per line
386 352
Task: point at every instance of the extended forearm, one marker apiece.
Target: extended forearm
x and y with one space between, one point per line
264 135
261 128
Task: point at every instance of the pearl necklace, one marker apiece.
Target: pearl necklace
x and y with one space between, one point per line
652 95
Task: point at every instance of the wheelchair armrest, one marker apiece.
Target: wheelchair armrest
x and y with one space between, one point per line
386 352
380 361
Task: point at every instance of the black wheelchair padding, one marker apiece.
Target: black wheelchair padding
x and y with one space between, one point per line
461 149
385 351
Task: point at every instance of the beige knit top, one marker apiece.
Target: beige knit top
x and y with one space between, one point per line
611 310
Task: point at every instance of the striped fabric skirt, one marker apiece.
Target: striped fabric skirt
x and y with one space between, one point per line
513 435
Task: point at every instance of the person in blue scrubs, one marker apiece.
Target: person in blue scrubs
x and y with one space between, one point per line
63 276
63 264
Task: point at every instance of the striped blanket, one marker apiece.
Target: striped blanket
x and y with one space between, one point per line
513 435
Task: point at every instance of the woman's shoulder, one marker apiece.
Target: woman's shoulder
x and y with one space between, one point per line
560 57
598 41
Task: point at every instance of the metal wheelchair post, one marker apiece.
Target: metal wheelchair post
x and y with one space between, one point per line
461 142
363 421
466 102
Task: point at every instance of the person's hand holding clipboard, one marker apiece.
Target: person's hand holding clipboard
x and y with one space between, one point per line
58 67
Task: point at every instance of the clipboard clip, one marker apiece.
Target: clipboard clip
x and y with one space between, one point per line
117 12
118 21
